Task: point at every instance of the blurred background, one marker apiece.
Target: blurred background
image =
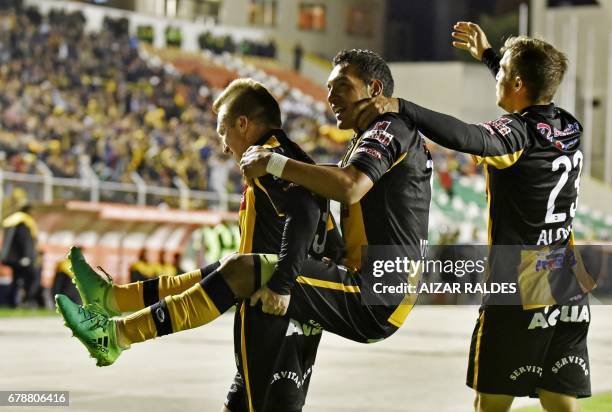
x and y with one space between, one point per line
107 139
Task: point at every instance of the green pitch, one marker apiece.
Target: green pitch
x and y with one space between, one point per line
598 403
16 313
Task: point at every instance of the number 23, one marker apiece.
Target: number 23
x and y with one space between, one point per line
568 164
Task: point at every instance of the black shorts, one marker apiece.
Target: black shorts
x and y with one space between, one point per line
516 352
328 296
275 357
280 351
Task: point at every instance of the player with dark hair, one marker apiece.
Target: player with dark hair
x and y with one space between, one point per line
532 162
383 184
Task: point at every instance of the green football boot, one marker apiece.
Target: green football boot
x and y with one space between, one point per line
92 287
93 328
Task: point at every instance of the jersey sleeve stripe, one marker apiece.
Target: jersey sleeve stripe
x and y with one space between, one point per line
327 284
501 161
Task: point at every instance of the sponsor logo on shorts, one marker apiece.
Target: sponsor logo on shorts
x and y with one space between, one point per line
160 315
568 314
570 360
297 328
526 369
292 376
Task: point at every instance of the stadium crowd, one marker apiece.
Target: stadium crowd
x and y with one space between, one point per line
74 99
82 101
221 44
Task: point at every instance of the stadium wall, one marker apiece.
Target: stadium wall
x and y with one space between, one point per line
190 30
115 236
326 42
579 31
464 90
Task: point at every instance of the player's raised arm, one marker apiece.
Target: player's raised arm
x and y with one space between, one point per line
470 37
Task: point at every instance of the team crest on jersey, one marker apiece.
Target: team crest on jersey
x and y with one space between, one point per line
382 126
498 126
380 136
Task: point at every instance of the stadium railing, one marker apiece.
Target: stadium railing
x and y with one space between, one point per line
46 188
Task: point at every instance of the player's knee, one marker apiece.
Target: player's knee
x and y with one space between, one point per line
492 403
237 270
557 402
237 263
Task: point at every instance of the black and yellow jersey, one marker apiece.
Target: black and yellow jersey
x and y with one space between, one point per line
532 162
395 211
285 219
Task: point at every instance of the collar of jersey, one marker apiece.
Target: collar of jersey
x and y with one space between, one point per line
547 110
267 136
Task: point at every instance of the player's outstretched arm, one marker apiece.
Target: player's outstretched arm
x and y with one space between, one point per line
471 38
344 184
499 137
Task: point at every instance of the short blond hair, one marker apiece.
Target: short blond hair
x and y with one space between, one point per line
538 64
247 97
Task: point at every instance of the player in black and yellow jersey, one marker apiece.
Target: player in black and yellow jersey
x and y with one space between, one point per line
383 183
281 221
537 345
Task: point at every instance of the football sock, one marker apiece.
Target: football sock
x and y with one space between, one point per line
138 295
197 306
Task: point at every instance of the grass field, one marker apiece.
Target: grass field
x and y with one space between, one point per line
598 403
17 313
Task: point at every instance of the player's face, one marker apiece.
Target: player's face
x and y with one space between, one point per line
344 90
504 88
230 134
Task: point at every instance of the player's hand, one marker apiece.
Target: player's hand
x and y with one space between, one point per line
369 109
254 162
469 36
272 303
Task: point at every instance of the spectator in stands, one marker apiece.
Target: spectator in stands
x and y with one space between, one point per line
19 250
81 102
298 52
62 282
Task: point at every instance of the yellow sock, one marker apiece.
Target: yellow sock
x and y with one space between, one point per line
191 309
127 298
173 285
137 327
197 306
131 297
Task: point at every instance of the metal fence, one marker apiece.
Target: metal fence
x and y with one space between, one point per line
46 189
